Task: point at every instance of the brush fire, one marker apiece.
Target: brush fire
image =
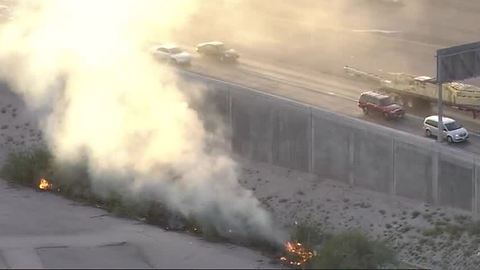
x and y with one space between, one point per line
44 184
296 254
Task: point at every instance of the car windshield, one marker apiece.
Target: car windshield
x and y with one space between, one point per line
453 126
175 50
386 101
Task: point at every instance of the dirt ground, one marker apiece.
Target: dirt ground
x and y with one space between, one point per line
408 225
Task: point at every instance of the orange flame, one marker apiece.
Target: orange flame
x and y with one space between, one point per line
44 184
296 254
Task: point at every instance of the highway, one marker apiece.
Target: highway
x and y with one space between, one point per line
298 50
303 60
330 92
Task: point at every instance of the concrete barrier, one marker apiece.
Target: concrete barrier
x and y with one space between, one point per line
331 149
456 181
373 155
413 171
252 127
286 133
269 130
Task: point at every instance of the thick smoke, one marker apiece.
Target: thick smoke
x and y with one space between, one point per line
83 66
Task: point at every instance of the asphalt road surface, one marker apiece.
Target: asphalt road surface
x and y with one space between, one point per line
42 230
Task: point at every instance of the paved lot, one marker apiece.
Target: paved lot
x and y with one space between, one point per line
42 230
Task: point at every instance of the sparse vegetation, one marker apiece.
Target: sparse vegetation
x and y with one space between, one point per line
474 228
415 214
362 205
452 230
435 231
427 216
461 219
405 229
353 250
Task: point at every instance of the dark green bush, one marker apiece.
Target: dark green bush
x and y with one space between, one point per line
27 167
352 250
73 180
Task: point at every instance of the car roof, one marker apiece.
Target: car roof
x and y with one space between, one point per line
445 120
424 79
168 46
375 94
214 43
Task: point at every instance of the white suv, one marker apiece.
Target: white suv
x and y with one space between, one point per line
453 131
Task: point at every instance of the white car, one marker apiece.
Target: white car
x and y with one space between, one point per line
172 54
453 131
217 50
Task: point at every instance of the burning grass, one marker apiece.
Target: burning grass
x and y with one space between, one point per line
312 248
44 184
296 254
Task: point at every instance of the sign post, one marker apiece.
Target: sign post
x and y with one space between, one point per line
439 104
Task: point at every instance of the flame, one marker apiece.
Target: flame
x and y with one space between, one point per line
297 254
44 184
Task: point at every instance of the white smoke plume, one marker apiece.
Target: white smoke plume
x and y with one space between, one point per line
86 64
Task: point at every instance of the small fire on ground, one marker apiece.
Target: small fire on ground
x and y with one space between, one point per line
44 184
296 254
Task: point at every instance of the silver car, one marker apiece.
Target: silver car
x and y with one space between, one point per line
453 131
172 54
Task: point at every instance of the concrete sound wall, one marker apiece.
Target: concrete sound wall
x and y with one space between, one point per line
285 133
413 171
456 180
270 130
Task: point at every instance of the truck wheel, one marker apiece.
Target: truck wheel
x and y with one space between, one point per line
365 110
428 133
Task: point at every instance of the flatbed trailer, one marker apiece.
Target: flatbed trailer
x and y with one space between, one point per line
421 91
